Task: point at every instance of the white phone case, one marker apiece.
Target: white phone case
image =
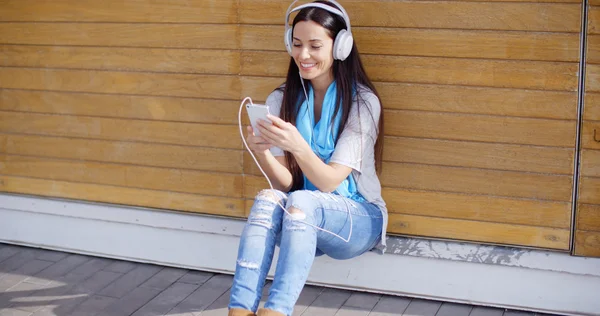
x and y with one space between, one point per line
256 112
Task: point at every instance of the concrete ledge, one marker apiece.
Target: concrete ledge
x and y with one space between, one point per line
517 278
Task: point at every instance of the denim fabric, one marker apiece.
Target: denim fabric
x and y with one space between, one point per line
268 225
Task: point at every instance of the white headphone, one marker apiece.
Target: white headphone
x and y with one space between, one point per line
342 45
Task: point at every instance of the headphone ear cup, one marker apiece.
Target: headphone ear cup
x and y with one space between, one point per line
287 39
342 45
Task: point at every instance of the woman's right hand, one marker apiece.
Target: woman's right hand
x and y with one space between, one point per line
256 143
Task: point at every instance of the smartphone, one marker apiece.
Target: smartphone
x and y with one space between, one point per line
256 112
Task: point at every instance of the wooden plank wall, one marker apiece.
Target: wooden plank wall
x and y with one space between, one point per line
587 233
127 102
136 103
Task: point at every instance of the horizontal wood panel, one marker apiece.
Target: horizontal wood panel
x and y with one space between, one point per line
553 238
175 180
421 14
456 71
588 217
171 156
129 34
458 99
587 243
593 49
478 208
592 82
452 126
591 110
477 181
127 196
589 190
458 180
468 154
182 85
590 135
179 133
590 163
459 206
121 106
594 20
437 43
198 11
122 59
479 155
259 88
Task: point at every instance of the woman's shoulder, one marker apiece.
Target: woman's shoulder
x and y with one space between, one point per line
274 100
366 97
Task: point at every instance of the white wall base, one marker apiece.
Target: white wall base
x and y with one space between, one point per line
459 272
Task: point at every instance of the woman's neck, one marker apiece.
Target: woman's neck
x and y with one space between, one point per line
321 84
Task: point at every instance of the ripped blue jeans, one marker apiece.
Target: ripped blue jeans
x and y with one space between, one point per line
268 225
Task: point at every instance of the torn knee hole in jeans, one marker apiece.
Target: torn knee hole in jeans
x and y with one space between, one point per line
270 196
248 264
261 218
295 218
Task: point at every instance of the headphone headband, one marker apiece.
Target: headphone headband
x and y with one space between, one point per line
340 11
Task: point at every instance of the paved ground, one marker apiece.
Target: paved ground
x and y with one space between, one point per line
41 282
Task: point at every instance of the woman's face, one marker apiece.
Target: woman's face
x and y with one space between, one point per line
312 51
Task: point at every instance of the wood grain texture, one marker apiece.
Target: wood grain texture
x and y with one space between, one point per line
480 155
433 70
181 85
590 166
478 208
454 15
437 43
130 176
590 135
121 106
216 36
588 217
587 243
476 100
454 99
188 11
589 190
553 238
178 133
143 154
450 126
592 82
122 59
126 196
594 20
477 181
468 154
591 110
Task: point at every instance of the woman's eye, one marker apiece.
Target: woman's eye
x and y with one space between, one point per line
297 45
316 47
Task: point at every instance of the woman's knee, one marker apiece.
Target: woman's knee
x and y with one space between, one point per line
301 205
266 210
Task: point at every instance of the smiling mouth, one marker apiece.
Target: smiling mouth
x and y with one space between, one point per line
307 66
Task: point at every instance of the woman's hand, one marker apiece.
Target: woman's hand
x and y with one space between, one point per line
257 143
283 135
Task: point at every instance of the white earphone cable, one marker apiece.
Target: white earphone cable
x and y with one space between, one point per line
271 185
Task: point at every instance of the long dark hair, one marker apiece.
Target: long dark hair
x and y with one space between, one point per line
348 75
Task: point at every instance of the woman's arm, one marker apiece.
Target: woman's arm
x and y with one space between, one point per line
276 169
285 136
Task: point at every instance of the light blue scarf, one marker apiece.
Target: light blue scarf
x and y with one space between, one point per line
323 136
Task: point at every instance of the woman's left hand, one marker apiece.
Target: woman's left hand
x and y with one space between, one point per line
283 135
